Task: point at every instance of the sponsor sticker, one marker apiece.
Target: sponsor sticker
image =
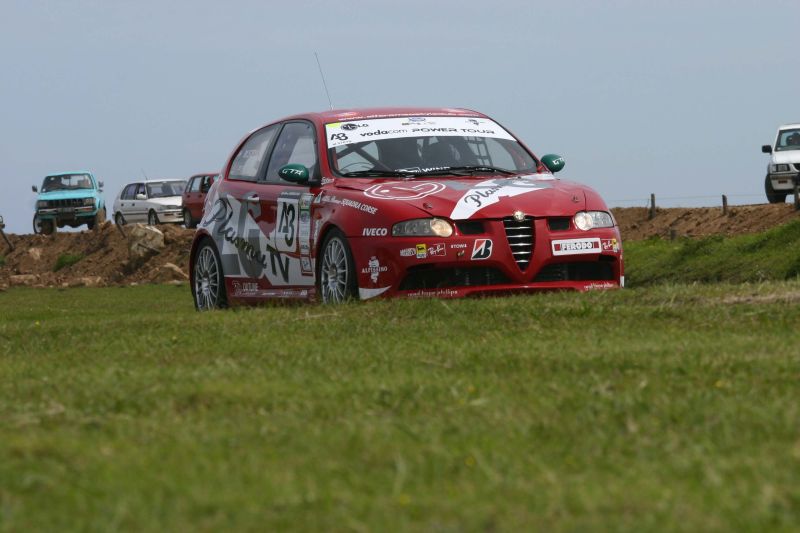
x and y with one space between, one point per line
482 249
408 252
403 190
375 232
437 250
609 245
576 246
374 268
422 251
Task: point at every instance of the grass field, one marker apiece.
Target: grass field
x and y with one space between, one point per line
666 408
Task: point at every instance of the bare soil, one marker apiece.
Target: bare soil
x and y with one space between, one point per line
105 257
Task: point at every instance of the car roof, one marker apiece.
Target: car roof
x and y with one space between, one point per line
69 172
789 126
340 115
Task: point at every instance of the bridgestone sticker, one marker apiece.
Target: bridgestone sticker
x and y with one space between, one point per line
576 246
357 131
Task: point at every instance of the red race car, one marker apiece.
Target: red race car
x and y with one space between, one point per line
194 197
396 202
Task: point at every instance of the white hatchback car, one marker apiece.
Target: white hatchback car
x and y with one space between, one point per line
154 202
784 164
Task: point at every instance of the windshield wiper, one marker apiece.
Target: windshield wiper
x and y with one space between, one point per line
469 169
375 173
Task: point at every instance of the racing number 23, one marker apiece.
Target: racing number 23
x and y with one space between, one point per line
286 223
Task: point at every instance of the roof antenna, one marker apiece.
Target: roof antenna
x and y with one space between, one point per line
323 81
145 176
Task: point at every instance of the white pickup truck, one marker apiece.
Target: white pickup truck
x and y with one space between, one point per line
784 163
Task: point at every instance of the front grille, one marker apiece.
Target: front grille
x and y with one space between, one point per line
470 227
427 277
69 202
584 271
520 239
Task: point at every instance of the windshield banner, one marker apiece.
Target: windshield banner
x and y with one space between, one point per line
358 131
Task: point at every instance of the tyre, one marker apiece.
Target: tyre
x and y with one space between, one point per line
773 196
152 218
208 281
119 220
187 219
99 218
37 224
336 279
48 227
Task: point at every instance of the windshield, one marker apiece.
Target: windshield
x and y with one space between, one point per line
164 189
788 140
67 182
420 145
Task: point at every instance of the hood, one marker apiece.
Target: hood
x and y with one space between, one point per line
787 156
461 198
67 195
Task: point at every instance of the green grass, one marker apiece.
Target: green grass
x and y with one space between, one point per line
669 408
2 261
65 260
771 255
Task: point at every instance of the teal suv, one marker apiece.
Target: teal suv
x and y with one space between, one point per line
69 199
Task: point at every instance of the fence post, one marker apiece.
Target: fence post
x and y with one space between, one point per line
652 213
724 205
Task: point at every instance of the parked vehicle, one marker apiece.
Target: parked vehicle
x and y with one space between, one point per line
396 202
784 163
68 199
153 202
195 196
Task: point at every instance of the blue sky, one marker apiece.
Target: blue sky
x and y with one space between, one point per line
673 98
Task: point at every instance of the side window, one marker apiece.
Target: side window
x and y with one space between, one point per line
127 192
140 189
194 186
248 161
207 182
294 145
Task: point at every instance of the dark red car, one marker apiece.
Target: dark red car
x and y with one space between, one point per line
194 197
396 202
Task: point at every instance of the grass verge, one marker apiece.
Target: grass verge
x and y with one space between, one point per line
65 260
669 408
771 255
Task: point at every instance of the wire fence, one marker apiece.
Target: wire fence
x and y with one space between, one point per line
645 202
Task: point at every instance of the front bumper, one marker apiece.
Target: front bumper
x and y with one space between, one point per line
172 216
67 214
783 181
461 265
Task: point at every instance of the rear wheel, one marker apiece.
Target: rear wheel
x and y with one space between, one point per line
337 273
773 196
98 220
152 218
119 220
208 281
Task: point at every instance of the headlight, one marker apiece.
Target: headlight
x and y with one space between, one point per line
587 220
780 168
88 201
420 227
41 204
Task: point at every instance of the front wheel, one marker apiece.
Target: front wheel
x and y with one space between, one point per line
152 218
119 220
43 226
337 273
773 196
187 220
208 281
98 220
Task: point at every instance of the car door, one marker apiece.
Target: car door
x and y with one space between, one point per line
136 208
239 225
290 204
188 197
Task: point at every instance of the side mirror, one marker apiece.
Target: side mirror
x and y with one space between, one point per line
294 173
34 189
767 149
100 184
553 162
141 196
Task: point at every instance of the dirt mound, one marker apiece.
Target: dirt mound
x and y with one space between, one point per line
701 221
94 258
103 257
